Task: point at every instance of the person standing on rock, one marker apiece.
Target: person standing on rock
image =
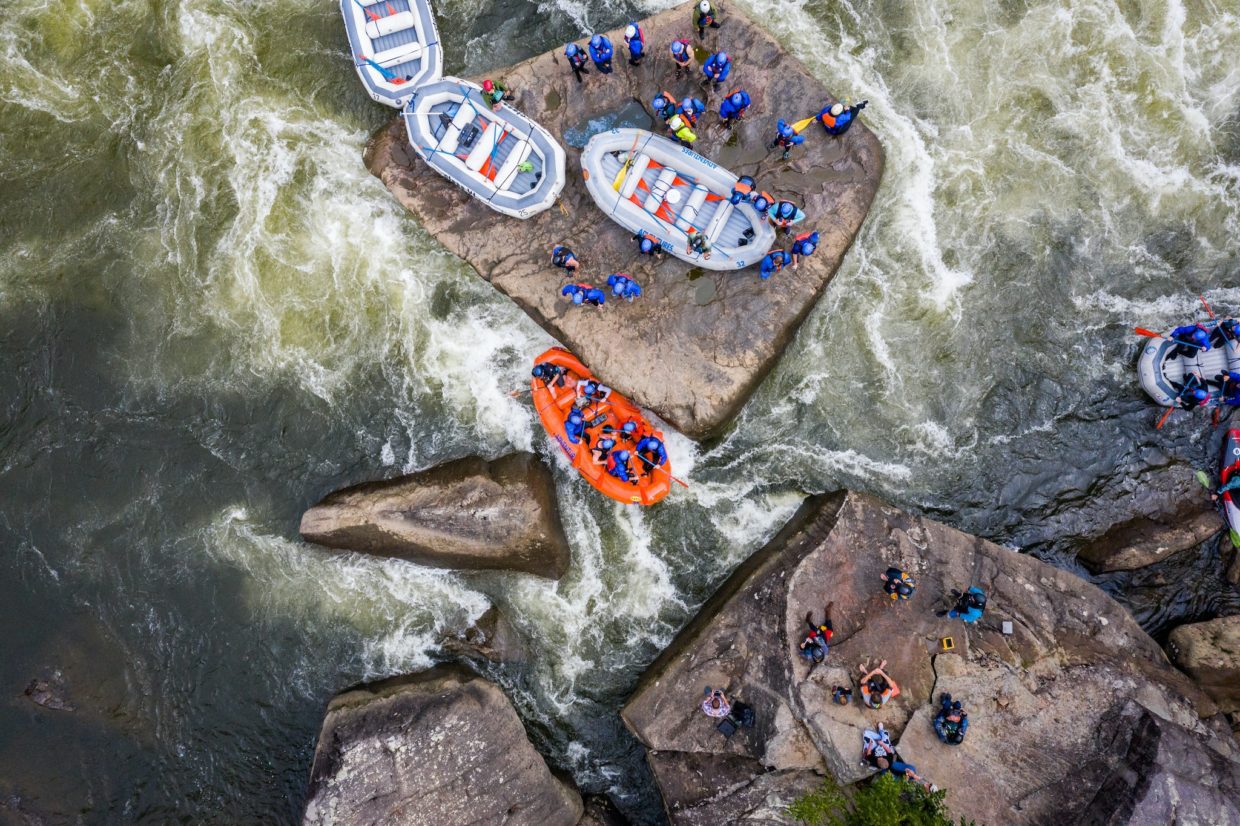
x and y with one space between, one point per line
601 53
691 108
664 106
774 261
680 128
742 190
717 68
565 259
682 56
648 244
576 60
783 215
952 722
877 688
803 247
817 642
837 117
733 107
623 287
495 94
786 137
898 584
716 703
635 39
705 16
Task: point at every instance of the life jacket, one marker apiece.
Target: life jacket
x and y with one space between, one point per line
743 185
676 123
645 236
975 600
561 256
686 134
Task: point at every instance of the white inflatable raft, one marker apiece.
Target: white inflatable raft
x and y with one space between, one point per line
1164 365
650 184
395 46
500 157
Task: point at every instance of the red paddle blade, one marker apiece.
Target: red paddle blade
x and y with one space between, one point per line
1164 418
1206 304
1141 331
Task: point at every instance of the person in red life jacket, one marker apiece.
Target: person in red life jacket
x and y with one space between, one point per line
682 56
717 68
647 244
742 190
565 259
803 246
783 215
635 38
584 294
705 16
837 117
774 261
576 60
733 107
816 644
618 466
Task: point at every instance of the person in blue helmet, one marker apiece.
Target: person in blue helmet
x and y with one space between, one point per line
742 190
648 244
951 724
575 426
598 453
624 432
717 68
1228 330
623 286
733 107
652 453
601 53
548 374
1193 394
969 606
635 39
1191 338
565 259
804 245
618 466
682 56
783 215
836 117
576 60
763 202
664 106
774 261
691 108
898 584
584 294
1230 392
786 137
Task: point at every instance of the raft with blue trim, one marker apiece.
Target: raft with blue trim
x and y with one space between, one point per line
1229 466
555 402
650 184
395 46
1163 367
498 156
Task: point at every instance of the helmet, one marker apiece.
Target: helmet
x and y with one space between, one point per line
785 131
575 416
807 248
571 49
1200 335
579 296
678 47
675 122
837 110
736 99
704 7
488 85
723 57
591 388
630 31
647 245
1199 394
621 455
629 427
659 102
596 41
539 370
786 210
761 204
617 286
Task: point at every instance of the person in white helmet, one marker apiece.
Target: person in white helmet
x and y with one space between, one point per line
705 16
636 40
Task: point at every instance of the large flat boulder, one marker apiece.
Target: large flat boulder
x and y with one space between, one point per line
707 790
1209 652
470 513
1043 701
706 339
442 747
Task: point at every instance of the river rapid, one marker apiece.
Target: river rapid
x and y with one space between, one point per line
213 315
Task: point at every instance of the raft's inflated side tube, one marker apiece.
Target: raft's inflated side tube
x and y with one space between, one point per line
1229 463
1162 370
554 404
394 45
648 183
454 129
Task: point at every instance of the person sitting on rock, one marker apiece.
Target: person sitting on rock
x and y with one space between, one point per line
1192 338
786 137
841 695
716 703
576 60
783 215
951 723
969 606
699 243
877 688
652 453
591 392
601 449
742 190
623 286
601 52
635 39
876 748
496 93
549 374
575 426
897 583
584 294
717 68
682 56
618 466
774 261
648 244
565 259
803 246
664 106
817 642
733 107
836 117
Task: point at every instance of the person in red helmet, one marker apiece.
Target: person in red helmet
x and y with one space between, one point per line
496 93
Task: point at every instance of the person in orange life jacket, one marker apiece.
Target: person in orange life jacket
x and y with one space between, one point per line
618 466
705 16
1192 338
576 60
575 426
763 202
897 584
635 38
742 190
803 246
774 261
786 137
495 93
601 448
584 294
681 56
664 105
647 244
717 68
836 117
623 286
783 215
601 52
564 258
817 642
652 453
733 107
549 374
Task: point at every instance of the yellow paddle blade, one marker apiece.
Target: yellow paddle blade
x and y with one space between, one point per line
801 124
624 169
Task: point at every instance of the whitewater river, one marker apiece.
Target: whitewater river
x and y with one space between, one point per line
212 315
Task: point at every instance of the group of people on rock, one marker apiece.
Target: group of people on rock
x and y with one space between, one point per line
621 284
1198 390
629 450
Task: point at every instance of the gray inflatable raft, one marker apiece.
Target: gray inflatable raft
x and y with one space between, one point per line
500 157
395 46
1164 365
647 183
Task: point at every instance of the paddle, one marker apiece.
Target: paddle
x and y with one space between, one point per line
1206 304
1164 418
517 393
628 161
1141 331
660 467
801 124
390 77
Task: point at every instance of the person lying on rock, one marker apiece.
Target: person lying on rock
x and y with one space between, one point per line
951 723
648 244
564 258
817 642
584 294
877 687
716 703
576 60
876 748
837 117
549 374
897 583
682 56
803 247
969 606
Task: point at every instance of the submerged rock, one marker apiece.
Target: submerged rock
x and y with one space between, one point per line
491 638
470 513
705 343
1209 652
1076 685
50 692
442 747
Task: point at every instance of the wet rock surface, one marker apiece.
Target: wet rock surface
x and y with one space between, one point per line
1209 652
1076 684
491 638
705 342
1143 541
470 513
442 747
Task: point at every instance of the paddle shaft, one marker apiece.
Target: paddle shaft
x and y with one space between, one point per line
660 467
1141 331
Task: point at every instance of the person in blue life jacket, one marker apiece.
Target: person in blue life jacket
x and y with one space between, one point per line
783 215
584 294
952 722
1228 330
763 202
601 52
836 117
774 261
733 107
1229 393
575 426
618 466
576 60
565 259
705 16
786 137
969 606
548 374
803 246
635 39
1192 338
682 56
623 286
652 453
742 190
648 244
601 449
717 68
691 108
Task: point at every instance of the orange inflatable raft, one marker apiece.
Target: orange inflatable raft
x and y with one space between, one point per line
555 402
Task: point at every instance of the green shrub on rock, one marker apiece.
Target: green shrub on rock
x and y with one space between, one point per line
885 801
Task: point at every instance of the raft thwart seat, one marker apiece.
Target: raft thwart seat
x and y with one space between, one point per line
484 147
390 24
